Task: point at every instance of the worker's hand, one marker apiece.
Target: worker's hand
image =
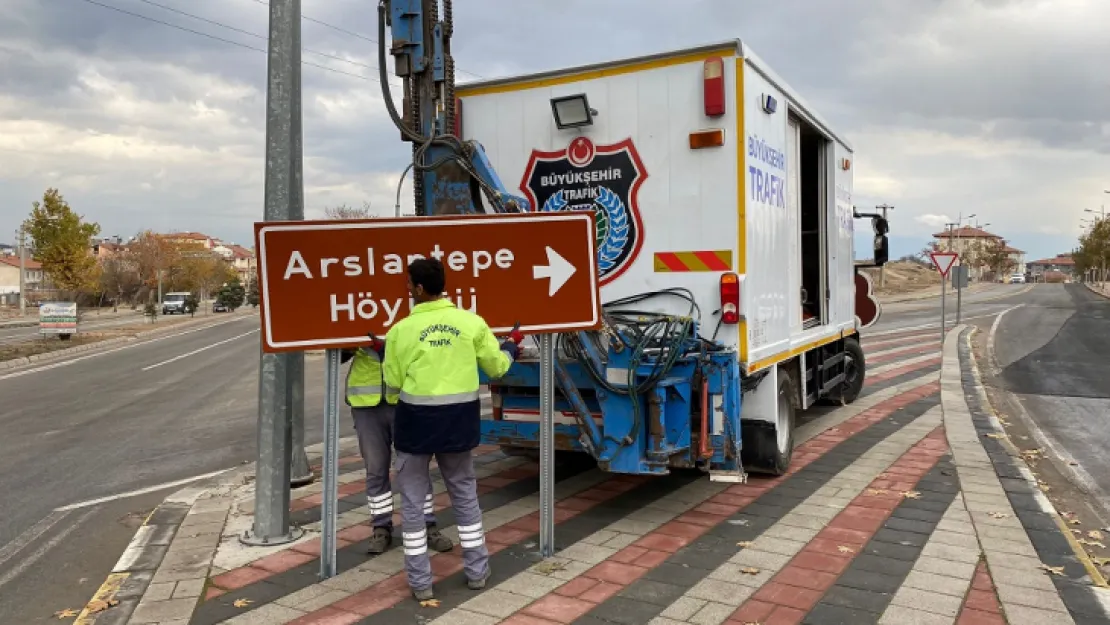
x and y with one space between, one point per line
377 344
516 336
511 347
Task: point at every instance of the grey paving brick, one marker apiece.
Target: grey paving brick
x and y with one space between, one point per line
713 614
530 585
683 608
1034 598
927 601
188 588
955 586
904 615
266 615
866 600
156 611
460 616
494 602
948 552
829 614
625 611
159 592
659 593
316 596
717 590
1025 577
1033 616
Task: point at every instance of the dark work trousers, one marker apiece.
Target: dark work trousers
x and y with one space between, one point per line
413 480
374 426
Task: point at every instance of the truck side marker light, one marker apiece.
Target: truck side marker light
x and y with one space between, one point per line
713 138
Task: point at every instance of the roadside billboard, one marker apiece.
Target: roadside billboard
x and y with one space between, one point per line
58 318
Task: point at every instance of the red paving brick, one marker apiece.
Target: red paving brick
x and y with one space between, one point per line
282 561
212 592
981 606
327 616
524 619
975 617
237 578
806 577
617 573
577 586
559 608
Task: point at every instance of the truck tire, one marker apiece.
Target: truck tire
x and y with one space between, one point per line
767 447
854 367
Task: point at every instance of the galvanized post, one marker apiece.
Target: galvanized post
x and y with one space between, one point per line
547 445
943 287
331 466
959 280
271 493
300 473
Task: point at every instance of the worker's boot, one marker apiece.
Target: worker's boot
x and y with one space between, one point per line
424 595
480 583
380 540
437 541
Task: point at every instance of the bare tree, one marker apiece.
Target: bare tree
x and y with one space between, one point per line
343 211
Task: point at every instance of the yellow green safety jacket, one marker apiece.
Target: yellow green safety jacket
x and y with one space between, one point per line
365 381
430 360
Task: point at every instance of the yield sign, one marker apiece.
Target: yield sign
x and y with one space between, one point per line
944 261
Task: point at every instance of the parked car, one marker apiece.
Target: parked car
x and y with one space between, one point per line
1017 278
220 307
174 303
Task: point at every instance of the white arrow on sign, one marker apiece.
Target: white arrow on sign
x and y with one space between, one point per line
557 269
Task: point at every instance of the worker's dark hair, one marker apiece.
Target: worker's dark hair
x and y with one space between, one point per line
428 273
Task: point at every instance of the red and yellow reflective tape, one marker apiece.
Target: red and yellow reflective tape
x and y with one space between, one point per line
711 260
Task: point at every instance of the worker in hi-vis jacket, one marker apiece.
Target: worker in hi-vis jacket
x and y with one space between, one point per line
432 363
373 410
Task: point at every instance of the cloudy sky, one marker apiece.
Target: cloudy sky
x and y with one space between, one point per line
993 107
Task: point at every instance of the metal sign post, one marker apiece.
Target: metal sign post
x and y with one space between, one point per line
328 511
959 282
547 445
943 262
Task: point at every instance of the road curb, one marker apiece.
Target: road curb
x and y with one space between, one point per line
1096 291
137 569
1078 579
69 351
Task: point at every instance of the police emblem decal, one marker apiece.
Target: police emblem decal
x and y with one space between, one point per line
601 178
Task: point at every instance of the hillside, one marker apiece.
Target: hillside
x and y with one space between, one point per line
905 277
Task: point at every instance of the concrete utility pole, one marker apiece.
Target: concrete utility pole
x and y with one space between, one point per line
882 270
22 271
275 391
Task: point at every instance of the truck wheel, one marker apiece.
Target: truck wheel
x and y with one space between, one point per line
767 448
853 374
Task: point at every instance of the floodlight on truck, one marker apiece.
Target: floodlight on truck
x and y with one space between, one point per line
572 111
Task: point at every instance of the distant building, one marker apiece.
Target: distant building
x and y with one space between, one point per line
1063 263
9 274
1018 256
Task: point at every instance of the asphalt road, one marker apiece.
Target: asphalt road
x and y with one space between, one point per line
1054 355
108 423
922 314
89 322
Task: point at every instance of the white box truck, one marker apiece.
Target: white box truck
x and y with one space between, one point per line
717 190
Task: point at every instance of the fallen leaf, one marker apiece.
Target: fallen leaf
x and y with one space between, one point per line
1077 532
845 549
876 491
66 613
995 435
430 603
1074 463
242 603
1092 543
748 570
745 544
998 515
911 494
740 522
1095 534
1101 561
99 605
1075 521
1054 570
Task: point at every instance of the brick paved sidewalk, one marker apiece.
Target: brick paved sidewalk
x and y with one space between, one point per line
896 510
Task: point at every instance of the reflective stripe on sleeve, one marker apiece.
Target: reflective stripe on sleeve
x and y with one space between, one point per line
439 400
364 390
471 536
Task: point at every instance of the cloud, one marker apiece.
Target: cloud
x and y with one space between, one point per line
935 222
994 107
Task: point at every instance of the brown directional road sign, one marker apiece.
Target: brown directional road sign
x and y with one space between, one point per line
327 284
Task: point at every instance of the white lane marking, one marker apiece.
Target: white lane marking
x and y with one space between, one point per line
141 491
27 562
930 325
991 359
30 535
70 361
197 351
